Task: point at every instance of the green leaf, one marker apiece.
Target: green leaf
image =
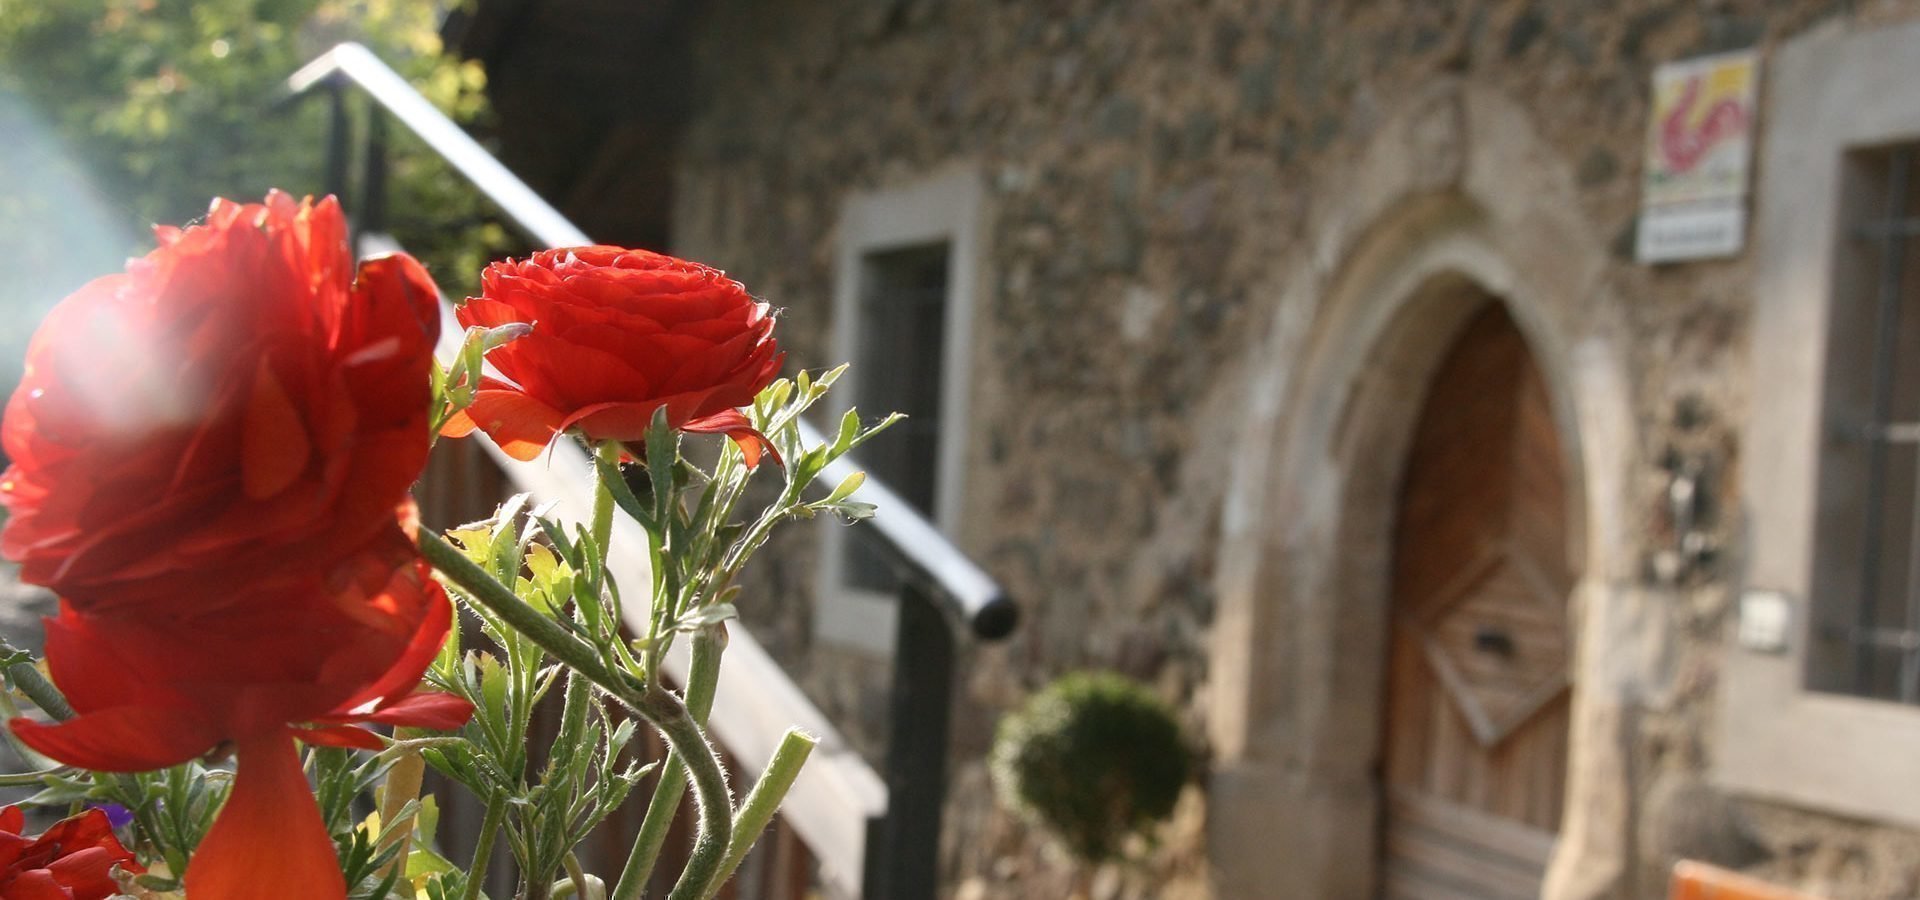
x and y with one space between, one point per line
849 429
830 376
493 680
883 425
710 614
847 486
616 482
854 510
422 861
663 453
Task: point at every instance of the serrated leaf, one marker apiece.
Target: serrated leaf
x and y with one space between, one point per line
475 542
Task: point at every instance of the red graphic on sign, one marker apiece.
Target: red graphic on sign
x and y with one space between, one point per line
1684 144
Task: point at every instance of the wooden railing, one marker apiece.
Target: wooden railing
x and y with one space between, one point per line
872 836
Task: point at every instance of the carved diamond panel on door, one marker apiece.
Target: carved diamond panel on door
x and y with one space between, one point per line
1497 642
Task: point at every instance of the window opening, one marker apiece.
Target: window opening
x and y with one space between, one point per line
1868 561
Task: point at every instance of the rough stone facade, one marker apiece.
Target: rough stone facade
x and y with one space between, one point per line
1178 192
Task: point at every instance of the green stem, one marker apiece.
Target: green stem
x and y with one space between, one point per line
36 778
489 832
764 800
703 677
536 626
573 711
607 452
689 743
26 676
582 885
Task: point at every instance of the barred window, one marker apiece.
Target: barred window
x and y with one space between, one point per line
1866 591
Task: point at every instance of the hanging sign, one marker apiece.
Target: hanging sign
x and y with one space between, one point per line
1693 202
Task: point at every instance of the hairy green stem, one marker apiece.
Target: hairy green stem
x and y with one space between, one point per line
689 743
483 851
702 679
580 884
26 676
607 453
536 626
764 800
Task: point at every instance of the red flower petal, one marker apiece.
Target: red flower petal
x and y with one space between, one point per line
35 884
88 872
347 736
424 644
734 424
274 445
122 738
438 711
521 425
268 833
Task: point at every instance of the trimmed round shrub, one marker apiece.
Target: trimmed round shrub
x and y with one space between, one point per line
1092 758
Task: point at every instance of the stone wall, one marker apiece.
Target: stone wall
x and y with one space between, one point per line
1161 175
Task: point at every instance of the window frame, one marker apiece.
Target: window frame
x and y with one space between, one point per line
946 207
1829 92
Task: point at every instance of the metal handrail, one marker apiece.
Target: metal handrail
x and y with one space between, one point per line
915 545
940 585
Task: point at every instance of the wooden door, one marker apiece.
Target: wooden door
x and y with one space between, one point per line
1474 762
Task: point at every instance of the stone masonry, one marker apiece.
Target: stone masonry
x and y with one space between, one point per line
1164 177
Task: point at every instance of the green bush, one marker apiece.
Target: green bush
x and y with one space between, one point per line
1092 758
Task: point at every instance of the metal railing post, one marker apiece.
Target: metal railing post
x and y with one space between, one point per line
903 848
372 208
339 140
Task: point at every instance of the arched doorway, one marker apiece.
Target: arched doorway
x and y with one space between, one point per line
1476 708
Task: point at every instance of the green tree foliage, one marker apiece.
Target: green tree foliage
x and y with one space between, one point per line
119 113
1092 758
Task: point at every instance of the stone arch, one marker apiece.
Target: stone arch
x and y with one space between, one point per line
1301 628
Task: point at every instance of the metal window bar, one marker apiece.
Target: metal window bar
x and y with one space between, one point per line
1891 230
944 597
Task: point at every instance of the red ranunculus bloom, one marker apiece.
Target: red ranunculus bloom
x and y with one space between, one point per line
211 462
73 860
301 655
618 334
235 402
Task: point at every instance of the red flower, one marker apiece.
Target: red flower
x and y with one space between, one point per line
237 401
618 334
73 860
299 655
211 461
